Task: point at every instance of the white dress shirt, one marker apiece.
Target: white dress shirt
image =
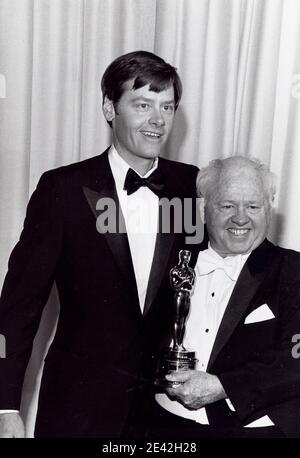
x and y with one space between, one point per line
209 300
140 211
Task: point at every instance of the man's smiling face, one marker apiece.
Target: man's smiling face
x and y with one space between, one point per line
237 212
142 121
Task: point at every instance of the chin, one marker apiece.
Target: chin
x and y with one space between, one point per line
239 249
151 155
153 152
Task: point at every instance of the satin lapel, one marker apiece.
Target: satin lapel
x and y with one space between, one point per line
118 242
164 243
248 282
163 247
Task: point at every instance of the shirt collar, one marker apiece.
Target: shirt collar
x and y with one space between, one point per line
119 167
216 255
209 260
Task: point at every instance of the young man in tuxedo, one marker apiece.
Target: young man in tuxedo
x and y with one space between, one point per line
244 319
107 280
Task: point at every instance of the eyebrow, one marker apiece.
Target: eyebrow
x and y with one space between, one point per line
234 201
146 99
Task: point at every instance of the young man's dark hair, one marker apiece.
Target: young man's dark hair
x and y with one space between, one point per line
144 68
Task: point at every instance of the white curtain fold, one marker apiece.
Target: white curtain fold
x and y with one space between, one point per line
240 65
285 147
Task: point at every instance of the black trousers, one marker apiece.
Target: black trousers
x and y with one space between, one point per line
165 425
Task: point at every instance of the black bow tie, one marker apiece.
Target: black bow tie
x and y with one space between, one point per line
133 182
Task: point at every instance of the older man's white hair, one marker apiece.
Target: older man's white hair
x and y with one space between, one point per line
208 177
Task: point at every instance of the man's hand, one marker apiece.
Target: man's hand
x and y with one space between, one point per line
199 388
11 425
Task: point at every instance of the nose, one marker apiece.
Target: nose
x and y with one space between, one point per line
240 217
157 119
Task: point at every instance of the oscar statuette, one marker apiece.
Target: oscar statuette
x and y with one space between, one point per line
177 357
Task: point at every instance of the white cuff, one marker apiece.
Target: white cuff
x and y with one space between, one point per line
8 411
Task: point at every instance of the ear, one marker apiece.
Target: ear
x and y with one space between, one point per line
202 208
108 109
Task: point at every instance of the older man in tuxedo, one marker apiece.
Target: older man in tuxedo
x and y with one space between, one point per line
108 277
245 314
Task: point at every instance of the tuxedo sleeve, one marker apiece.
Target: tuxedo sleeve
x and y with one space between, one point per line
274 376
27 285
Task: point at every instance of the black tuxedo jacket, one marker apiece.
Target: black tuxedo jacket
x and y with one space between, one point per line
91 369
255 361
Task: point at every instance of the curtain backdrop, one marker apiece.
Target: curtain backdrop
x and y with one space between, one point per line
240 65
